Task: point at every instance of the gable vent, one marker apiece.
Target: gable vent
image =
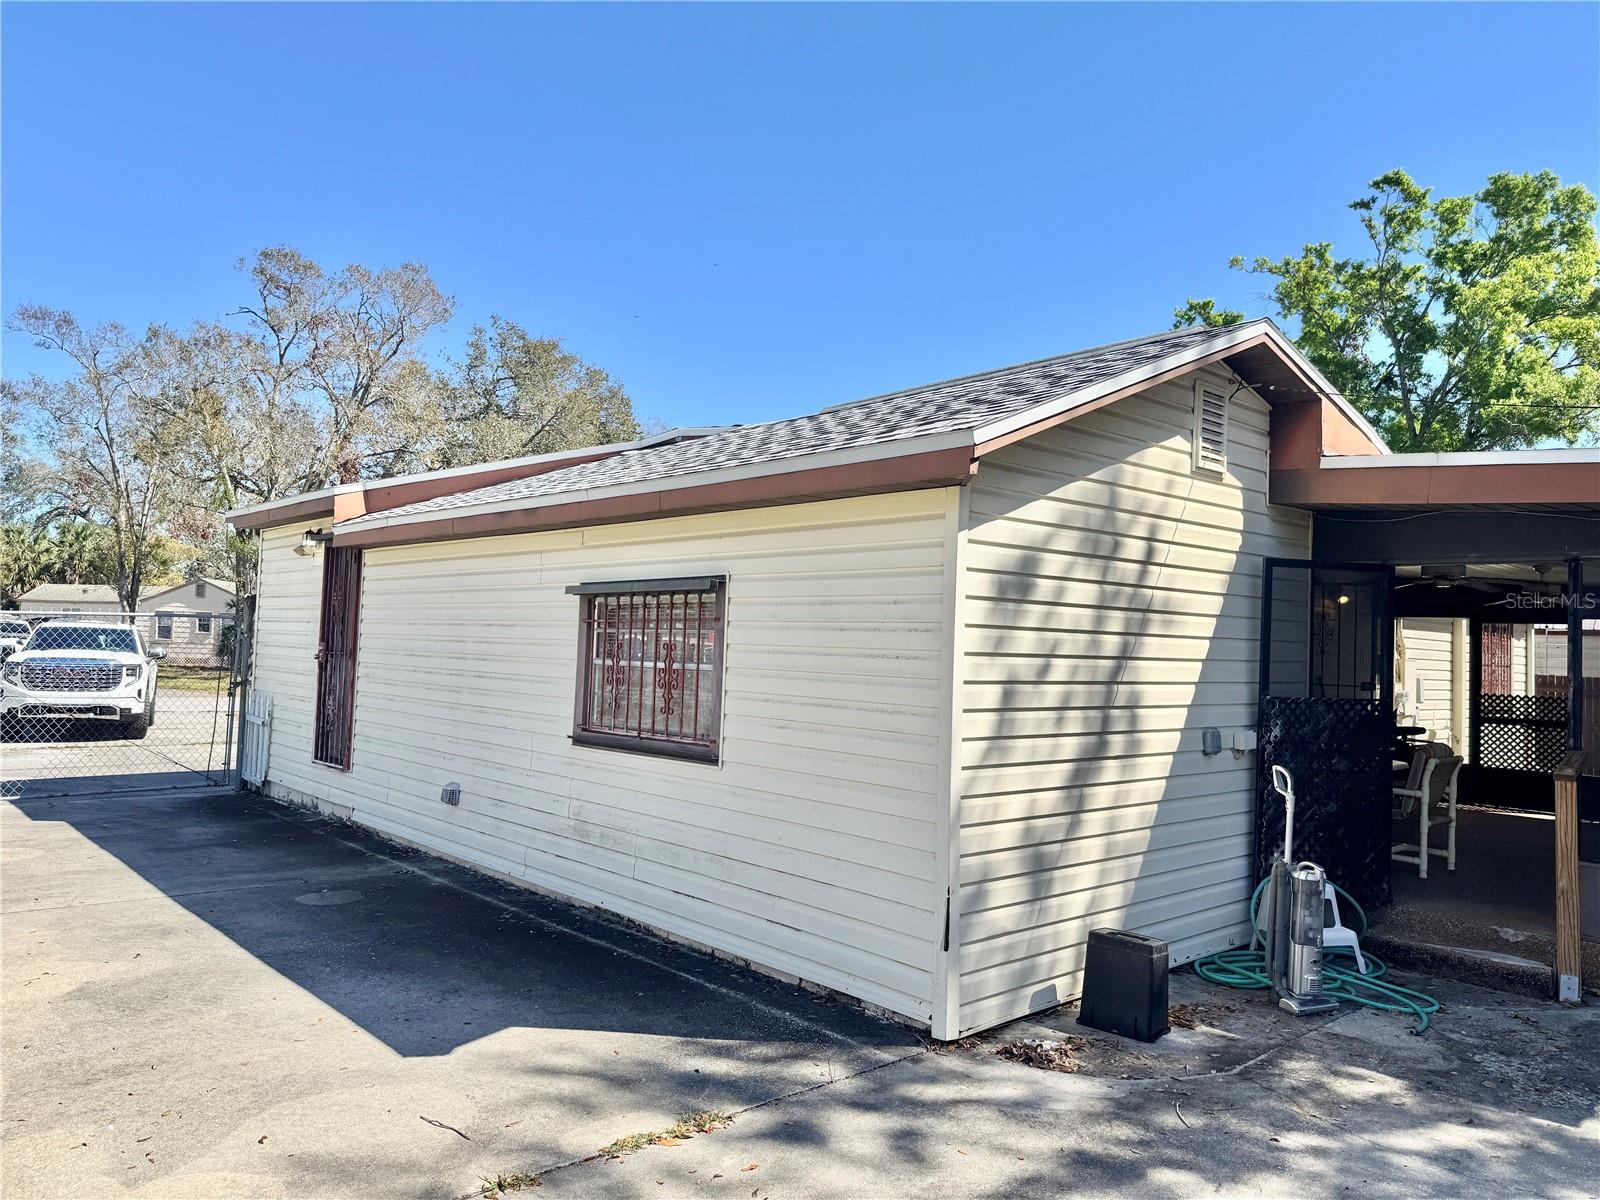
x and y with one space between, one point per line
1210 428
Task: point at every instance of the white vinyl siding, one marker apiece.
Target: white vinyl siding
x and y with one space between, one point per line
284 666
1111 613
810 849
1430 660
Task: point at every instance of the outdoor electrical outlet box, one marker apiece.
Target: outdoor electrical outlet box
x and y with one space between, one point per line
1211 741
1243 740
1125 985
451 793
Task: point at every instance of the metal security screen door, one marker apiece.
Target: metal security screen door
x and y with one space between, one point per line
336 655
1326 687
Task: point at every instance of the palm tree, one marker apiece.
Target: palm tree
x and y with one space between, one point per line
79 551
26 557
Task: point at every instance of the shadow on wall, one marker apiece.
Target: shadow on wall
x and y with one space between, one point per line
1090 802
389 938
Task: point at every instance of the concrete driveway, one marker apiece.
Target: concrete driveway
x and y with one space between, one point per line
209 995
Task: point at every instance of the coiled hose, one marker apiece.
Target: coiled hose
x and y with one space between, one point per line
1246 967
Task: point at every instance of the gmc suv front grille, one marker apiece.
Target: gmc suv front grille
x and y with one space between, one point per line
74 677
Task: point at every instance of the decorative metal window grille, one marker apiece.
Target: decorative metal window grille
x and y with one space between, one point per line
650 666
1210 428
1496 644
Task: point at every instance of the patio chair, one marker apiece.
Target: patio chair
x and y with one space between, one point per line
1434 802
1335 932
1408 782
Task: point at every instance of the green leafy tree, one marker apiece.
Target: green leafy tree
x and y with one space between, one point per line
515 394
1467 323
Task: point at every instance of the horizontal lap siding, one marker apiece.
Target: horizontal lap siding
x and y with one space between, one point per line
1430 657
809 850
1110 605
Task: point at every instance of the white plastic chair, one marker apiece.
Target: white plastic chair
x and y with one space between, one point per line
1434 801
1335 932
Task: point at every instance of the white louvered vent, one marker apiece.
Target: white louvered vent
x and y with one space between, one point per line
1210 428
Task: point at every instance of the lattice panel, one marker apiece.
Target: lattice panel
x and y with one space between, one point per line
1338 752
1521 733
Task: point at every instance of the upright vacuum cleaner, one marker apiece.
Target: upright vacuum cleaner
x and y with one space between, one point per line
1292 918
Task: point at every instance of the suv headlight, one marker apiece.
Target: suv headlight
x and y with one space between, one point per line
11 673
131 671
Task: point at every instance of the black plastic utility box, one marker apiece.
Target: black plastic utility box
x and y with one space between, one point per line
1125 985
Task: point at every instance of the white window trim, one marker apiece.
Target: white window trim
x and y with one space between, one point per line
1205 461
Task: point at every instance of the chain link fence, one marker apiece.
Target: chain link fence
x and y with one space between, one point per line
117 700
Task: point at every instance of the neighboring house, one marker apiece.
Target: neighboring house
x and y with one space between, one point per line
901 698
69 598
187 618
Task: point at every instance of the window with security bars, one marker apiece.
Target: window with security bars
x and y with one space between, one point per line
650 666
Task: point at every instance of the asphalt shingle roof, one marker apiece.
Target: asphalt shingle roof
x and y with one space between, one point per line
966 403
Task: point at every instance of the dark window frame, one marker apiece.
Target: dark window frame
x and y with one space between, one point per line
202 623
711 617
164 627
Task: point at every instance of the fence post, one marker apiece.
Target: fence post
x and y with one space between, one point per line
239 684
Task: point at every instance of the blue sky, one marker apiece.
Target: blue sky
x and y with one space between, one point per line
745 212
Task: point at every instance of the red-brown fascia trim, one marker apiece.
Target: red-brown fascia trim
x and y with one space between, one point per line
1395 487
1316 423
380 495
907 472
312 509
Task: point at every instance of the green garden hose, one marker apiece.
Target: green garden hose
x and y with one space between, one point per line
1246 967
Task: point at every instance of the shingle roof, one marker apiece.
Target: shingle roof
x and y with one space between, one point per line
956 404
103 593
73 593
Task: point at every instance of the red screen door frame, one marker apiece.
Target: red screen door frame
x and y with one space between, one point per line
336 656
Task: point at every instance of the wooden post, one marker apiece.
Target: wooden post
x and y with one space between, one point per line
1569 948
1569 951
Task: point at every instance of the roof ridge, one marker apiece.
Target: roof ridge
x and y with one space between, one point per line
1034 362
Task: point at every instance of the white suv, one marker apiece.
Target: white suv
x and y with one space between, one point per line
81 671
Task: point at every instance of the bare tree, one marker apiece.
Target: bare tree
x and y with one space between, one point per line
364 364
114 431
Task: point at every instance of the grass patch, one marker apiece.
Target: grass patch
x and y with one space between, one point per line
192 679
685 1128
501 1184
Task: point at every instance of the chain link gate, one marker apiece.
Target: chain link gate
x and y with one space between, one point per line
93 701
